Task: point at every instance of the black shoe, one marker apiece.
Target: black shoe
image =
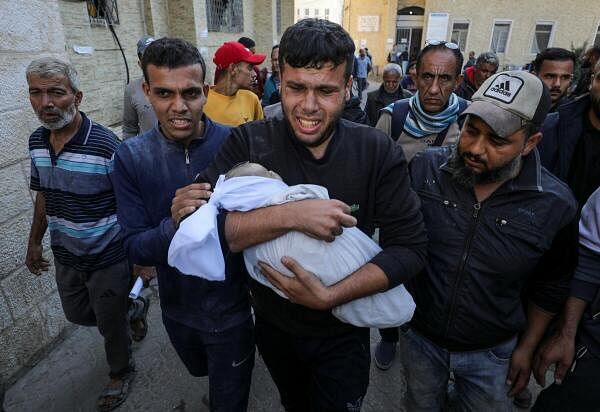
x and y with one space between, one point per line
138 313
385 352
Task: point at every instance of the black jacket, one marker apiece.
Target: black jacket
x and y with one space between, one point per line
481 256
378 99
361 167
561 131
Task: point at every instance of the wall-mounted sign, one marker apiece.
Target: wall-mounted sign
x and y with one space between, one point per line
368 23
437 26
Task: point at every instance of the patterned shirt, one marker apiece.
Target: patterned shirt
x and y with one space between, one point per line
80 202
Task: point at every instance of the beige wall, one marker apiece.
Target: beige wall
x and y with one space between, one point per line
376 41
575 22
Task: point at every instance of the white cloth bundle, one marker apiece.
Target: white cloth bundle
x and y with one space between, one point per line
330 262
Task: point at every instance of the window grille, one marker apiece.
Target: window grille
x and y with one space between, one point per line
316 12
103 12
541 38
500 37
459 35
225 16
306 12
326 14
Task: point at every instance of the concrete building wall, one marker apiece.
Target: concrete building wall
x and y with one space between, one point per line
157 18
575 21
30 311
372 25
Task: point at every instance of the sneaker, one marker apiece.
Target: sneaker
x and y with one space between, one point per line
385 352
523 399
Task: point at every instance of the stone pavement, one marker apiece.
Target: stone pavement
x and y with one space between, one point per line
72 376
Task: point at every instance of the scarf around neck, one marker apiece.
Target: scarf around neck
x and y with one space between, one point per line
419 124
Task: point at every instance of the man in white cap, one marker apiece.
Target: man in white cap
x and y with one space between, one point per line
492 213
138 114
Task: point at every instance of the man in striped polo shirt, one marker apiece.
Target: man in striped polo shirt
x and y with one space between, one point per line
71 166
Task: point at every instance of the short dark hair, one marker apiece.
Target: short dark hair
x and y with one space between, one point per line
553 53
312 43
487 58
247 42
172 53
441 46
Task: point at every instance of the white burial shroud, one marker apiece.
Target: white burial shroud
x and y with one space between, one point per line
196 250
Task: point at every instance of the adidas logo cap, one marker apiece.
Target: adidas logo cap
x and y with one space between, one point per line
508 100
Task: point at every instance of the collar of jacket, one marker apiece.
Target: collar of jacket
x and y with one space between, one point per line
528 179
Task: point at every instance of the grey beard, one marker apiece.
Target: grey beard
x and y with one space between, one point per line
66 117
465 177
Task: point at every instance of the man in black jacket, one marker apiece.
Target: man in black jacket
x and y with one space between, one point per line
492 213
389 91
317 362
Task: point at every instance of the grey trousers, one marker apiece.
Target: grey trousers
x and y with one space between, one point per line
99 298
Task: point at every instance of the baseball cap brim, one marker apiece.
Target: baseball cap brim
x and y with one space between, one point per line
255 59
501 121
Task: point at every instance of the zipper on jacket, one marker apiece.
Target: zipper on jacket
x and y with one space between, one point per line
187 156
461 267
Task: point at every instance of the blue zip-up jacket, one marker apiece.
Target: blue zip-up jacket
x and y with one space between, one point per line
148 169
482 255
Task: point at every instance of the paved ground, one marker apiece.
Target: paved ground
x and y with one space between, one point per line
71 377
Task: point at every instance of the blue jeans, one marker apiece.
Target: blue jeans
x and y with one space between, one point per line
479 376
226 357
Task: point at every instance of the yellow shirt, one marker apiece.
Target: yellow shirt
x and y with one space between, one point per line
235 110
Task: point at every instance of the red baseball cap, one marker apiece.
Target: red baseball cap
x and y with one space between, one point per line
232 52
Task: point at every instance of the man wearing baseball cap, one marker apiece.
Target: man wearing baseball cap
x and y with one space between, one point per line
492 213
229 102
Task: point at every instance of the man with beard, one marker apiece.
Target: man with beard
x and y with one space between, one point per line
389 91
317 362
555 66
491 213
71 171
485 66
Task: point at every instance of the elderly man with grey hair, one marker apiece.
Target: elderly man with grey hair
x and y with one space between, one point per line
389 91
485 66
71 166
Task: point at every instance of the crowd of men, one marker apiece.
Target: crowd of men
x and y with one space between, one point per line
476 184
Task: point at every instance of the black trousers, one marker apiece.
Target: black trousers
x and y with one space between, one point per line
579 391
323 374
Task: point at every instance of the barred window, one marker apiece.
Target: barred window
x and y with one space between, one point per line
225 15
103 12
326 14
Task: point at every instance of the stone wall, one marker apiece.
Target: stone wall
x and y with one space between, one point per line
103 74
31 317
30 312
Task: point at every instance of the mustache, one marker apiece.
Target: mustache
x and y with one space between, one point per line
472 157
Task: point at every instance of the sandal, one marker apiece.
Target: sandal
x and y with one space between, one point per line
112 397
137 319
